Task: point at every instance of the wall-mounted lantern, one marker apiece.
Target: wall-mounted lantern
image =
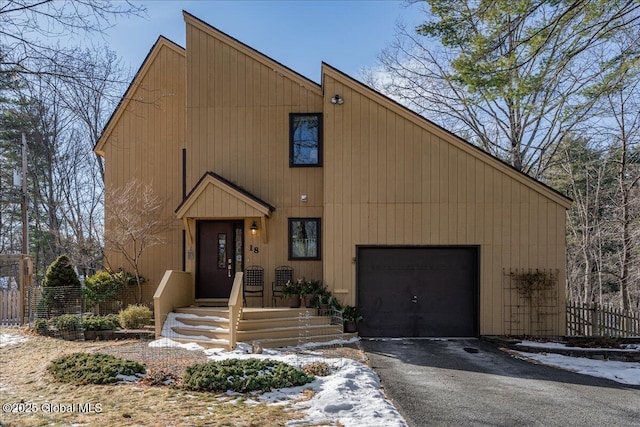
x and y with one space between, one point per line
254 228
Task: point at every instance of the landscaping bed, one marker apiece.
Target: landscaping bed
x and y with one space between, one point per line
24 380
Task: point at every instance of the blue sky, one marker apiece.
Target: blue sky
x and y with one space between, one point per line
299 34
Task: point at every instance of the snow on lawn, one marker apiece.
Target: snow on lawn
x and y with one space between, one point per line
10 339
351 395
622 372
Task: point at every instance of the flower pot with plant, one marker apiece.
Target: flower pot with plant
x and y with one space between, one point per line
291 291
351 317
326 301
310 291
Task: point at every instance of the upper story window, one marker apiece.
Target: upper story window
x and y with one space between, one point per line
305 139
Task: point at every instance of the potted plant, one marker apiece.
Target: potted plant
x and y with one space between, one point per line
326 301
351 316
291 290
310 291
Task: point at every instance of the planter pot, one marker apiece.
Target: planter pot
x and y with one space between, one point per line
309 301
90 335
68 335
106 335
294 302
350 326
324 309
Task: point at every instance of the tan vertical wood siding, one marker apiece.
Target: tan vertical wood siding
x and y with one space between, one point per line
238 106
388 177
143 141
395 180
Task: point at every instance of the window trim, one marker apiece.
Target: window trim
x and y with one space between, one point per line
318 255
292 164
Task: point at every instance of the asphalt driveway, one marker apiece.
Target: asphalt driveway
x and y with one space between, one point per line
470 382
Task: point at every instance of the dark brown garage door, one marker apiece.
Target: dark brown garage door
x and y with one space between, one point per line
418 291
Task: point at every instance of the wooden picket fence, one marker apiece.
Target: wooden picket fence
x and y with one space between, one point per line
596 320
10 307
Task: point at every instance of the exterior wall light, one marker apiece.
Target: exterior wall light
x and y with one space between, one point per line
254 228
337 99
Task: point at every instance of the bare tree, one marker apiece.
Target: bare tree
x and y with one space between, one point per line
623 104
135 221
510 76
32 32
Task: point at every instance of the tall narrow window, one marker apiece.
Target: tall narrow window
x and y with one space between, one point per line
304 238
305 139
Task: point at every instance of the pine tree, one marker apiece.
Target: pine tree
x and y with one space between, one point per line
62 288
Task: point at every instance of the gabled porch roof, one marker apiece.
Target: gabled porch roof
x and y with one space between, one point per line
214 197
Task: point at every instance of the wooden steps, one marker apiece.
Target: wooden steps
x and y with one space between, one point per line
267 327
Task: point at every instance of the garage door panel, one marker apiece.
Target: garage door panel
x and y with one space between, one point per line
418 291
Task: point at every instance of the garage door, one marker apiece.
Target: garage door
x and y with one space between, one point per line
418 291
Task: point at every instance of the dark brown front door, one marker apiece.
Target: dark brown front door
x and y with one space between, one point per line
418 291
218 254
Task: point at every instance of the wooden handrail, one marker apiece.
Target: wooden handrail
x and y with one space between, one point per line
235 309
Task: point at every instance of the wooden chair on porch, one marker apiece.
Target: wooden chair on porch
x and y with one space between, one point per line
253 283
284 273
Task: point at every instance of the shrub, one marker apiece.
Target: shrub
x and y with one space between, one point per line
61 286
135 316
41 326
243 376
102 287
66 322
99 323
97 368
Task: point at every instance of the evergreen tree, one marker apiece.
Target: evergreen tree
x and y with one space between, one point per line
62 289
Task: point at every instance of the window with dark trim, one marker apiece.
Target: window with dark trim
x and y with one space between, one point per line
304 238
305 139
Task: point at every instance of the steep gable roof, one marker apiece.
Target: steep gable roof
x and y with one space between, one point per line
161 43
255 205
446 135
252 53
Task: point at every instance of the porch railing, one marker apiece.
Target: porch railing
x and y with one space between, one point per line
176 289
235 309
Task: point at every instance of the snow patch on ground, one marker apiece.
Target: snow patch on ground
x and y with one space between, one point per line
552 345
622 372
350 395
172 322
10 339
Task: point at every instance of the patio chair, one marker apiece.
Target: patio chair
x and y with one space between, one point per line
284 273
253 283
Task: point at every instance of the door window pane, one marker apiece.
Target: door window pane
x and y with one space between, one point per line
222 251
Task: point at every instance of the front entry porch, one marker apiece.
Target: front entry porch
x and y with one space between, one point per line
179 317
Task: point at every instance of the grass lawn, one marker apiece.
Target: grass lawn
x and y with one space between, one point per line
23 379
